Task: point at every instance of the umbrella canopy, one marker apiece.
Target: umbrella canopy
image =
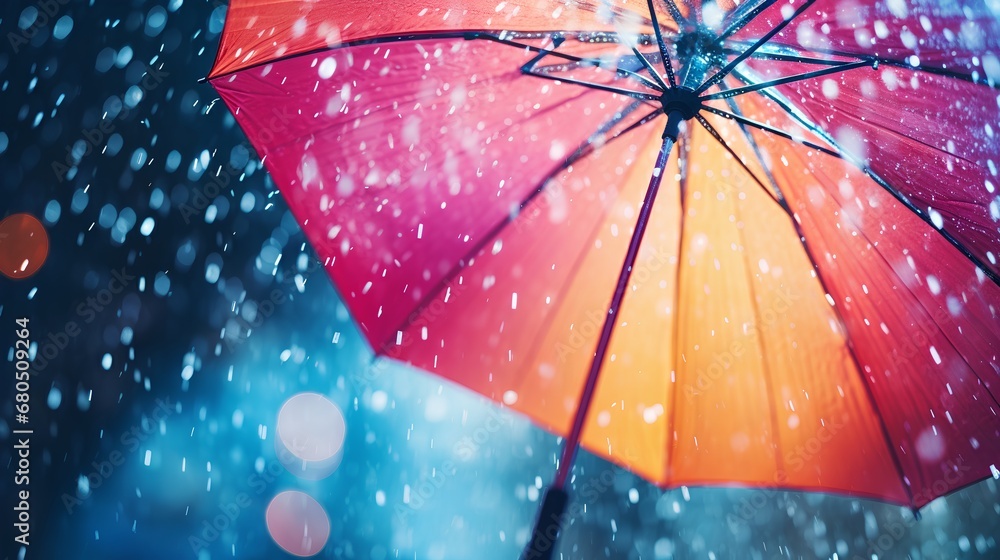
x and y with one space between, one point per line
746 244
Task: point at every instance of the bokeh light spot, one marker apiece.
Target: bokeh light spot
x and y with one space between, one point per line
311 431
311 427
24 245
297 523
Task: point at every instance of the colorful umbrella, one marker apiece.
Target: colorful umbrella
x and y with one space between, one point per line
715 243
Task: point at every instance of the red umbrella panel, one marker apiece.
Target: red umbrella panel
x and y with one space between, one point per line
718 244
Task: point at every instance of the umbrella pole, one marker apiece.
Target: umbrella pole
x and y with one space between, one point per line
551 514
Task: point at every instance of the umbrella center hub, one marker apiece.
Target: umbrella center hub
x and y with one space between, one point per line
682 100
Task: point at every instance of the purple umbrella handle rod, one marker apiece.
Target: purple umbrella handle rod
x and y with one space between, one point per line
551 514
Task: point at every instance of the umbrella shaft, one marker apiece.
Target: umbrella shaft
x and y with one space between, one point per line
692 74
551 516
572 440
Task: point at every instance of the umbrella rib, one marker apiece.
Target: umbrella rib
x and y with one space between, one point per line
466 35
682 167
779 195
927 311
592 85
740 19
852 353
939 71
656 84
888 264
583 150
881 60
899 196
624 72
645 119
674 11
843 67
783 57
819 276
718 137
768 128
728 93
348 44
668 64
782 202
649 68
718 76
557 40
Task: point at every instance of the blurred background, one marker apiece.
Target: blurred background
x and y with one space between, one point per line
202 311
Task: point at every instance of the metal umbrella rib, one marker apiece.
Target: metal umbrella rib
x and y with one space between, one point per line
896 193
718 76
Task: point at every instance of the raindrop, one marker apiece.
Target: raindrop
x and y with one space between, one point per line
162 284
62 28
55 397
147 227
830 89
898 8
327 68
933 285
52 212
379 400
936 218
